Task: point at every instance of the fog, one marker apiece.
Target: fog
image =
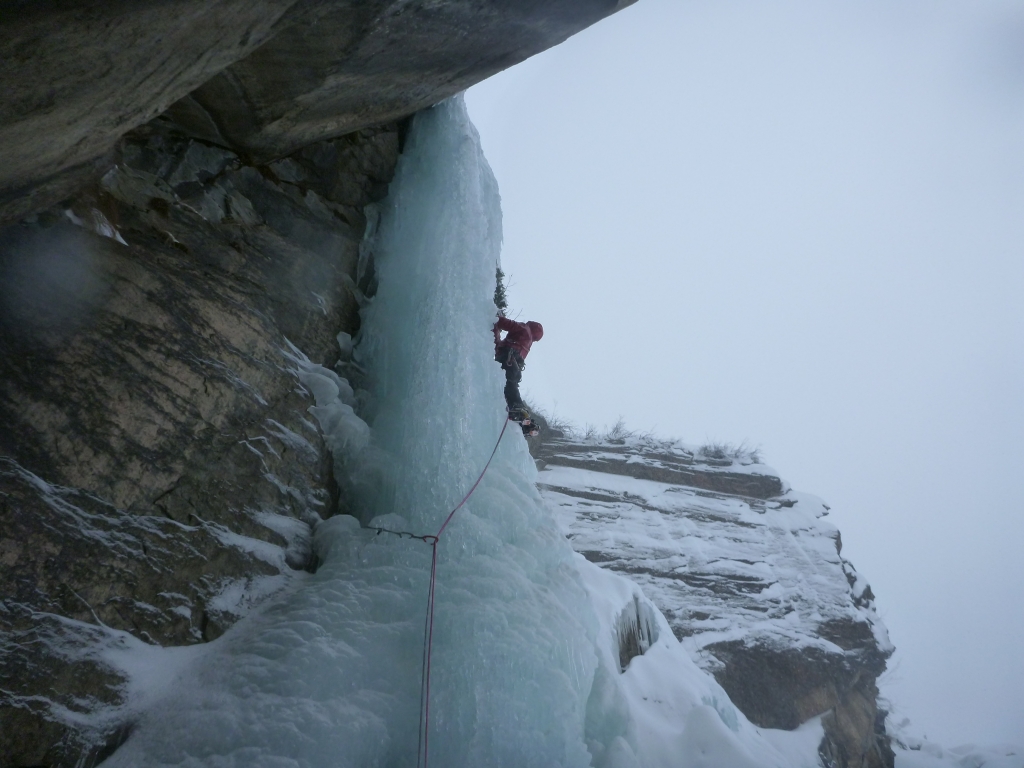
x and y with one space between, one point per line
799 225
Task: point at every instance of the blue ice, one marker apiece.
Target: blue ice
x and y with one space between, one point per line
328 674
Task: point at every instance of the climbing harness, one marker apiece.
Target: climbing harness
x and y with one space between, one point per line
422 747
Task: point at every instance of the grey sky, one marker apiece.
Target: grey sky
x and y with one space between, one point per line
800 224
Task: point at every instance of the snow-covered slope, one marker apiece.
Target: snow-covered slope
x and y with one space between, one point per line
747 572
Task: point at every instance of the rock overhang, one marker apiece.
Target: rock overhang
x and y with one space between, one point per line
261 78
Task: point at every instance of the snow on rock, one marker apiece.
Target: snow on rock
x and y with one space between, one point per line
662 710
722 566
145 385
746 572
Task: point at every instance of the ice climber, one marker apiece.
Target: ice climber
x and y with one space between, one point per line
511 352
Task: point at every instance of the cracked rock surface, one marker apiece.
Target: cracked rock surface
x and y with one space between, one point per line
159 472
263 78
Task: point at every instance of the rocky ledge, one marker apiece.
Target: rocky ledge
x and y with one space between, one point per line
747 572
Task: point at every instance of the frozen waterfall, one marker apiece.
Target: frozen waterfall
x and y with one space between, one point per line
329 675
525 665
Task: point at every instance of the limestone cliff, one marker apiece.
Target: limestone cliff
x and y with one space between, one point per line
159 471
262 77
747 572
185 188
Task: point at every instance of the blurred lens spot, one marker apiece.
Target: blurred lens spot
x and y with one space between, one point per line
49 280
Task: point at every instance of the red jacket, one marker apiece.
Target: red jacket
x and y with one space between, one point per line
519 336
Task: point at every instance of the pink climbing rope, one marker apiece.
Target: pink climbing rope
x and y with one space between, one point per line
466 497
423 747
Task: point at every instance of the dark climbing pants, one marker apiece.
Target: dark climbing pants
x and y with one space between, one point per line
512 378
512 364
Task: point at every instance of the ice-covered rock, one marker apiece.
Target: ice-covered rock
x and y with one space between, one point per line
159 467
747 572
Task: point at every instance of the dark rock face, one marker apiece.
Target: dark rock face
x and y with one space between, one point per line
747 574
74 566
662 468
214 159
78 75
266 78
158 470
336 67
777 687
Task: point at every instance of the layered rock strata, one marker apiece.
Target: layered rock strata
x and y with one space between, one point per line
748 574
186 187
159 473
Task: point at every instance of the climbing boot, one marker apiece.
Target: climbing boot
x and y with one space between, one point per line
520 415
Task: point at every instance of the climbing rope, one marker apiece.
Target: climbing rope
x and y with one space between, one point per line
422 747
